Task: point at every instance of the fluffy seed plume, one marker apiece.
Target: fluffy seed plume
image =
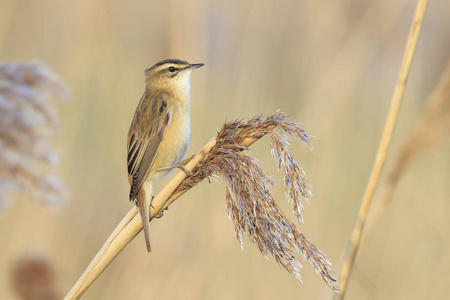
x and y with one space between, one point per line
250 204
28 121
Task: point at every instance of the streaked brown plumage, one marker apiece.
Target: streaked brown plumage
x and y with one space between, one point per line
159 134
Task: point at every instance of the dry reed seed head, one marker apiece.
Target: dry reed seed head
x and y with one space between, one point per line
28 122
296 185
34 278
249 201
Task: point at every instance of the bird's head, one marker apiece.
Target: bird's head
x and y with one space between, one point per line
171 75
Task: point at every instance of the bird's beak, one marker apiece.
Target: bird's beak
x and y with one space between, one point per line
193 66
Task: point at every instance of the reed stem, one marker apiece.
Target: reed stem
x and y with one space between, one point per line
383 148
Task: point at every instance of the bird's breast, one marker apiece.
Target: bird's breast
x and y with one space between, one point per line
175 141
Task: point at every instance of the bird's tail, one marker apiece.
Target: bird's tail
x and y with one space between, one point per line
143 204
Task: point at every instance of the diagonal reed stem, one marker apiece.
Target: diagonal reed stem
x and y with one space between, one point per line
131 224
383 148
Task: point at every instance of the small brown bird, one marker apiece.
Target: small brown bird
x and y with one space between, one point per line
160 132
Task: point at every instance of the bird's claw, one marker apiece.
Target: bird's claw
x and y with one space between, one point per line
188 173
161 214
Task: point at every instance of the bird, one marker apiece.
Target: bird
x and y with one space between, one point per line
160 131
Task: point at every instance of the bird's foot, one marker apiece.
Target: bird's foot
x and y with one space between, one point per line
177 166
184 162
161 214
182 168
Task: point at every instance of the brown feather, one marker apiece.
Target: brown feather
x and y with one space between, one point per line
145 136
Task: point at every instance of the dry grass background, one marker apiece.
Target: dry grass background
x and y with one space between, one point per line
332 65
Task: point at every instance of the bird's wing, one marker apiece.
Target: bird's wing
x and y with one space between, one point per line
144 138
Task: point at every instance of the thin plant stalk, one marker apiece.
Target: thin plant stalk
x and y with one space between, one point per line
383 148
129 227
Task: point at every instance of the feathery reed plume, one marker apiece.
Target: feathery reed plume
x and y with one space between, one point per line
432 126
34 278
28 121
249 202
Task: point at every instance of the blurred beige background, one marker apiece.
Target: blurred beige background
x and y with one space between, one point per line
332 65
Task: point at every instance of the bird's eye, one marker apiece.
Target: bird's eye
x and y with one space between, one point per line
172 69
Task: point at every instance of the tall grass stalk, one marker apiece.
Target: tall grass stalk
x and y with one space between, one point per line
383 148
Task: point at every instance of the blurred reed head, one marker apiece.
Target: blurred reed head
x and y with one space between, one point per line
249 201
432 126
34 278
28 121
